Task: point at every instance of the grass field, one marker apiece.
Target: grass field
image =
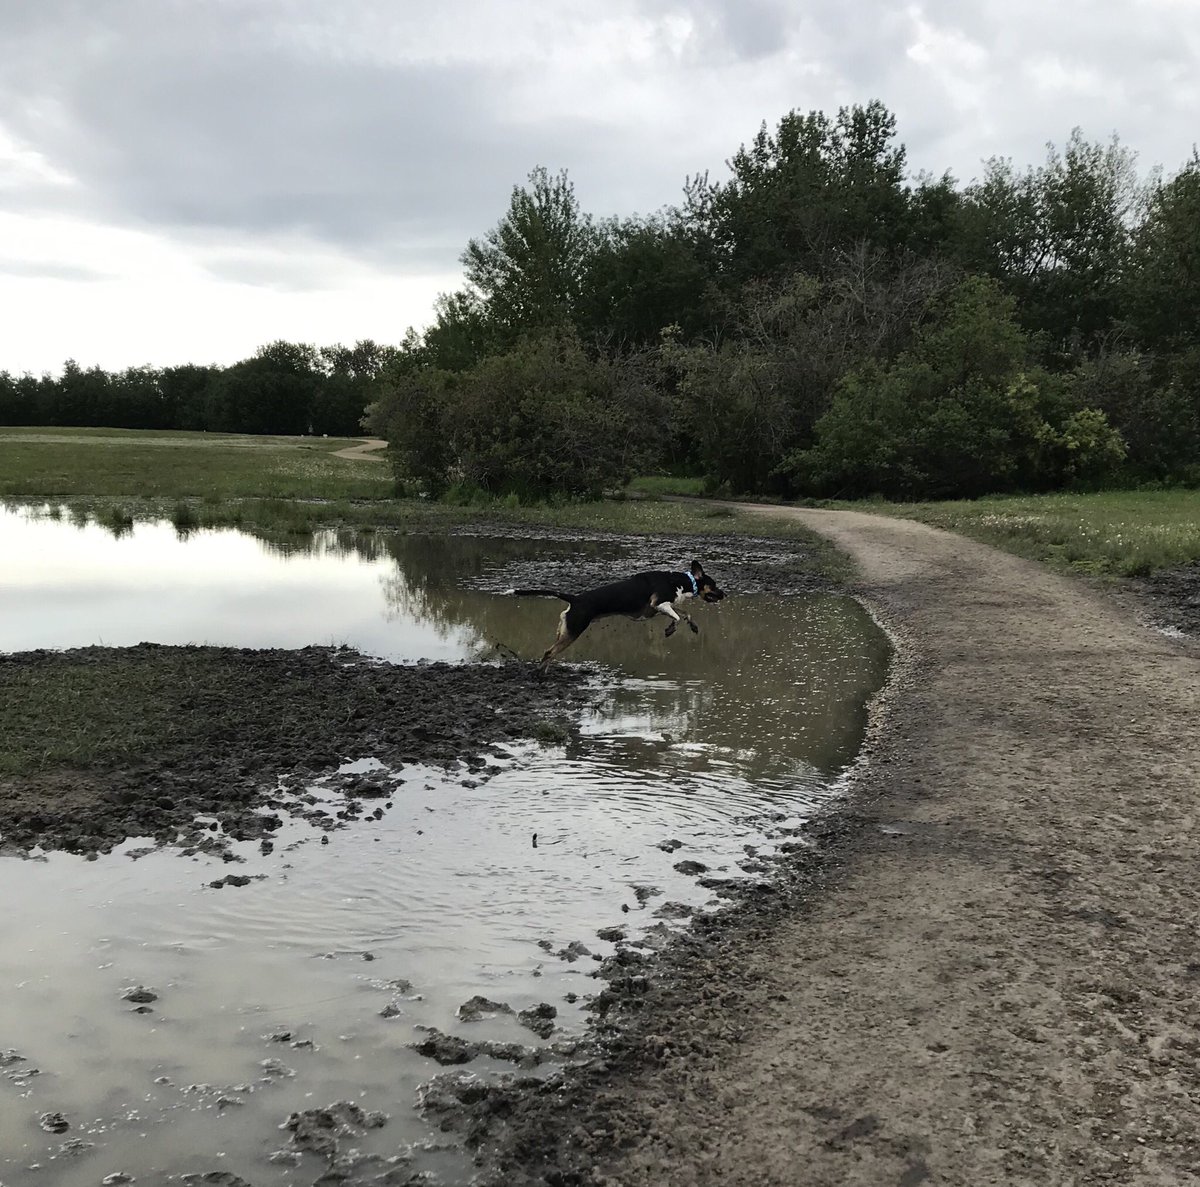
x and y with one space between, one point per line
63 463
1112 533
298 483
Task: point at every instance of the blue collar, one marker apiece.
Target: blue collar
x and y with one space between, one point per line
695 585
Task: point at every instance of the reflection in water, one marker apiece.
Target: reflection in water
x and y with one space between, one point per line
717 741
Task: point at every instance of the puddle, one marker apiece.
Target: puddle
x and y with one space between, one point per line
271 996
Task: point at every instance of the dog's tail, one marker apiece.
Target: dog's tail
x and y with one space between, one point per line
540 593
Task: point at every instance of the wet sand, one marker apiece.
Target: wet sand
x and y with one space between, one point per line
984 970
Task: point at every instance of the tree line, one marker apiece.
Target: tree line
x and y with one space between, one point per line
284 388
818 322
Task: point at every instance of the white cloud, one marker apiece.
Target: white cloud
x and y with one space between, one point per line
22 167
115 298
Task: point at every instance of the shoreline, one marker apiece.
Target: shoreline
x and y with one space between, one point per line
983 972
769 1045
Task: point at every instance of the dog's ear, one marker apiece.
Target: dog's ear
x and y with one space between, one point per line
697 569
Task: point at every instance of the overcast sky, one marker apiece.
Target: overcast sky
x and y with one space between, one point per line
185 180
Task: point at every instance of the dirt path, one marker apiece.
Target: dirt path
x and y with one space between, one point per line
369 451
997 982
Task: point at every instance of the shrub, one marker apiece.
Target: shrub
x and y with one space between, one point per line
1155 405
959 414
543 419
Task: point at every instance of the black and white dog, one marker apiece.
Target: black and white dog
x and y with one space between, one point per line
641 596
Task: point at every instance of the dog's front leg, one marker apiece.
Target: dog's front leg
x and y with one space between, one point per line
670 611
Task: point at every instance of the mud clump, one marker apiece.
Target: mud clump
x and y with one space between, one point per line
526 1131
539 1019
319 1131
479 1007
54 1123
451 1049
168 734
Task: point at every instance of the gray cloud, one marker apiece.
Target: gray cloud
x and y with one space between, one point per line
211 133
394 137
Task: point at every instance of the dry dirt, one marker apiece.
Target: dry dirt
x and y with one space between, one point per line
988 976
370 450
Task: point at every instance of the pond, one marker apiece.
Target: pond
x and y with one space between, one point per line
310 984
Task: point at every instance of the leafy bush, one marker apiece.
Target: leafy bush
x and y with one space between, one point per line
1154 404
958 414
543 419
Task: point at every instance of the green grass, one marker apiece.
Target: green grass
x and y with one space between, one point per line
64 463
1110 534
80 715
296 485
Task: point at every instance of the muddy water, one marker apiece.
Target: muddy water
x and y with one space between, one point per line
271 997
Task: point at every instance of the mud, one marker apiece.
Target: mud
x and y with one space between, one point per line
982 970
241 733
1172 598
739 564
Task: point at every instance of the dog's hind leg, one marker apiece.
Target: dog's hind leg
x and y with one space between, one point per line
564 640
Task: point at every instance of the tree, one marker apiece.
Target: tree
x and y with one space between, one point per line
348 378
812 188
1164 287
273 392
528 270
958 414
461 334
751 397
1154 403
1058 237
82 396
14 409
643 275
543 418
187 393
135 400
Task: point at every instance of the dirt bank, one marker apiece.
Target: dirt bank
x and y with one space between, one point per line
104 743
985 971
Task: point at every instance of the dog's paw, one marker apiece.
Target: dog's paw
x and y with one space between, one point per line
669 631
695 628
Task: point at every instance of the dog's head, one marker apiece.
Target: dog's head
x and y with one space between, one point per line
706 587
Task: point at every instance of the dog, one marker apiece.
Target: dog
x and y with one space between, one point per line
641 596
